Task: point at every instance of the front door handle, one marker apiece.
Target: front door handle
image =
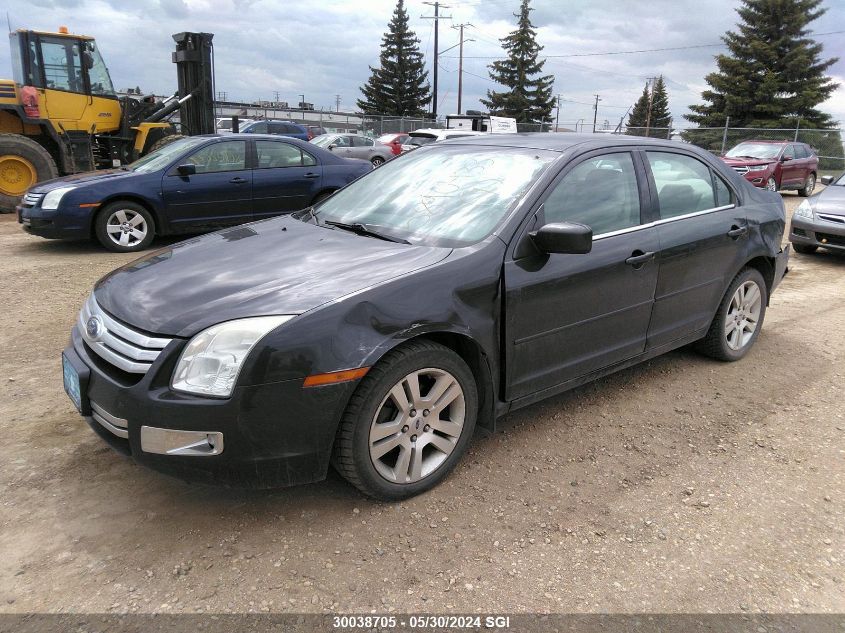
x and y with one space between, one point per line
238 180
311 174
737 231
639 258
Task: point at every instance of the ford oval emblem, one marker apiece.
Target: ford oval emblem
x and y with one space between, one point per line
94 327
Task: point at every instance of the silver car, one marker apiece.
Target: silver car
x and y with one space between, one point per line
354 146
819 221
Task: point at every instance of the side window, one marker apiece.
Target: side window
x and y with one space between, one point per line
723 192
275 128
308 160
683 184
224 156
600 192
360 141
288 128
62 67
258 128
801 151
789 152
341 141
277 154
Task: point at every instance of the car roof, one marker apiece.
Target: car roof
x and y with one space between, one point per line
771 142
562 141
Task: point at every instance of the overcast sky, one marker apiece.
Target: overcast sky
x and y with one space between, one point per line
321 48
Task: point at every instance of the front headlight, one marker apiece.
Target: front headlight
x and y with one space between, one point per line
804 210
758 168
210 363
53 198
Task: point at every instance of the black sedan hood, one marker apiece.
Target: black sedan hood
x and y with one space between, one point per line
277 266
831 200
86 178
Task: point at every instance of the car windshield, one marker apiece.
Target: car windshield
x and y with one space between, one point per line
162 157
449 196
323 140
763 151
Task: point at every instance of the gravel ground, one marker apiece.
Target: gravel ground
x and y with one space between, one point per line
681 485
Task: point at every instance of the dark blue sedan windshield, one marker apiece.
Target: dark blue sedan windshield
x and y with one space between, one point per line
162 157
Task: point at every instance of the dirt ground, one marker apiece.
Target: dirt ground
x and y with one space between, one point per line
681 485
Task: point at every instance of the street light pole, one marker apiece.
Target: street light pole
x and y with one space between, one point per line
436 17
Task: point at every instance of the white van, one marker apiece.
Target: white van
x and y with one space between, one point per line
481 123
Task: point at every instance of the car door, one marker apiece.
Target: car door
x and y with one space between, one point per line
341 145
285 178
573 314
790 167
218 194
699 225
802 163
362 147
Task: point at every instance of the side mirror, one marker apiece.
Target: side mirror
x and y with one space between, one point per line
783 159
827 180
331 147
187 169
563 237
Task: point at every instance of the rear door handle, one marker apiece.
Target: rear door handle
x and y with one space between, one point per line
638 258
737 231
311 174
238 180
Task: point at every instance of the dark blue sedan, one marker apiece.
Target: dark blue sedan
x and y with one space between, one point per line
191 185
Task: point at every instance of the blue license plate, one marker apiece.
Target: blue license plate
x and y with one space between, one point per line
71 380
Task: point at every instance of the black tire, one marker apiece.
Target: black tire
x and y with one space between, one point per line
377 161
105 218
805 249
351 455
40 159
715 342
164 140
809 186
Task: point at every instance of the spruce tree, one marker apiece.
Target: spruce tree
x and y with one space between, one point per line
399 86
528 97
657 118
772 74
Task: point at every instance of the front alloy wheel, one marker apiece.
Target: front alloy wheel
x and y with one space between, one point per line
408 422
125 227
809 186
743 315
771 184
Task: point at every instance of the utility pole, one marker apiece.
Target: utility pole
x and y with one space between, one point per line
436 17
652 80
337 102
557 113
276 95
596 112
460 27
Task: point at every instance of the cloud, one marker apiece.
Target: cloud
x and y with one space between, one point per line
324 47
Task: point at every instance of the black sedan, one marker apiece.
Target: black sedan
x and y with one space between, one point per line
819 221
377 329
191 185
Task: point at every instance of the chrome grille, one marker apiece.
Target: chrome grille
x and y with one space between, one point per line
115 425
32 199
122 346
836 219
741 169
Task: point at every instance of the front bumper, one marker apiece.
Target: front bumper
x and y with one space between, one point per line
817 232
54 224
264 436
758 178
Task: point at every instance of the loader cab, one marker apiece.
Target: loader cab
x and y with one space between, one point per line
60 61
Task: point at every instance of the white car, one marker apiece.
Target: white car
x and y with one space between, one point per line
433 135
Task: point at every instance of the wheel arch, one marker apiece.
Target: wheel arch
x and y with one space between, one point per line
766 267
473 354
137 199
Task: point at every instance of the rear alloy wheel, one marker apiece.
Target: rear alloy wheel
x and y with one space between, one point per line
739 318
408 422
125 227
771 184
809 186
377 161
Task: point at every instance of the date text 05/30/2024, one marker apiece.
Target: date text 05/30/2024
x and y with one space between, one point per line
422 621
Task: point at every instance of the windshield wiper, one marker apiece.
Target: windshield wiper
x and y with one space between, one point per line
360 228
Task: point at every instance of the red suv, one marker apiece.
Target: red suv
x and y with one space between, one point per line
776 165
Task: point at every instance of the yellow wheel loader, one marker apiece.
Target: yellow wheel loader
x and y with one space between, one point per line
61 115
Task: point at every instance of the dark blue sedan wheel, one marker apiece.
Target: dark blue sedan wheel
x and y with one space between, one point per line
124 227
